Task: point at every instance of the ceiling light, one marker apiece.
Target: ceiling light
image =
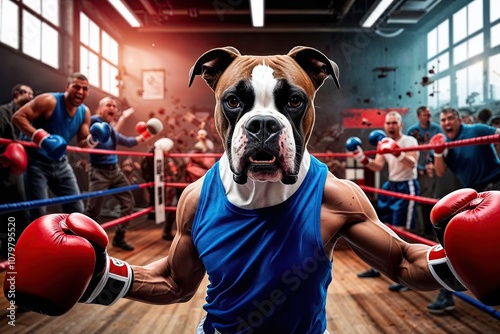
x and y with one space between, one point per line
375 12
257 8
125 12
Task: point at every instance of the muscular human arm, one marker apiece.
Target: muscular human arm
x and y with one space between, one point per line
84 131
176 277
410 159
376 164
41 106
348 213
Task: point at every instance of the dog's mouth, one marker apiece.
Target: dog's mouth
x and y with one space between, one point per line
263 166
262 158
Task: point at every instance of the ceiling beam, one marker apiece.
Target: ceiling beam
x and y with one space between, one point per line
175 12
248 29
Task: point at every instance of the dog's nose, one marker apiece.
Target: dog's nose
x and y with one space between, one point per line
263 126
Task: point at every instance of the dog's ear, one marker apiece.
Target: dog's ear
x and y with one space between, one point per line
212 64
315 64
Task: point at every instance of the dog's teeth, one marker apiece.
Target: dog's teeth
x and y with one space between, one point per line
263 161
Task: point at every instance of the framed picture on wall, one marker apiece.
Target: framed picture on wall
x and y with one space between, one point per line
153 84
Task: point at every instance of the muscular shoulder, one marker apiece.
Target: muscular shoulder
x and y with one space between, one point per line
345 196
344 205
188 202
45 102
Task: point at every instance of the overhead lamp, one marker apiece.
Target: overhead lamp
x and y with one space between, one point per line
257 9
375 12
125 11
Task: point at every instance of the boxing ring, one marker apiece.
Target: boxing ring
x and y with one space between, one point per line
12 207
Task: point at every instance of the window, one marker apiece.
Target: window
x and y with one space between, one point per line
494 75
98 56
9 23
437 39
495 35
439 94
494 10
459 80
466 22
39 32
470 85
40 36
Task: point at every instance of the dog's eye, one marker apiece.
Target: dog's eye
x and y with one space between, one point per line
233 102
295 101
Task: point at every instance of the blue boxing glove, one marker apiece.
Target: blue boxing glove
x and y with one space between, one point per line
99 132
53 145
353 144
375 136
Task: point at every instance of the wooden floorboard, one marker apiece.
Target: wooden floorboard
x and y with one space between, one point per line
354 305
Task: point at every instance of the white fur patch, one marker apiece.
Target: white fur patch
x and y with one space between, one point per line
264 83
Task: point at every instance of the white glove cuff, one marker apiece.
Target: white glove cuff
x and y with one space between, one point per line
441 269
114 284
91 142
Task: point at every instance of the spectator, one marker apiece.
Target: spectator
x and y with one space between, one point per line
12 184
51 120
198 166
423 131
483 116
475 167
402 168
106 174
495 122
467 118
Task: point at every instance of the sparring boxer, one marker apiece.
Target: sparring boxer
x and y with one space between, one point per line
402 168
51 120
262 223
475 166
104 170
12 184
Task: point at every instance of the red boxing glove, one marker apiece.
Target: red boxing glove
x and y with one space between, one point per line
440 140
15 158
388 145
61 260
140 127
149 129
468 226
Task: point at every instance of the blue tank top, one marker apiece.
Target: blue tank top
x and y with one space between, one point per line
267 268
474 165
60 123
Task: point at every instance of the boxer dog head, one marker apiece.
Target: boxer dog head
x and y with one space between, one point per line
264 109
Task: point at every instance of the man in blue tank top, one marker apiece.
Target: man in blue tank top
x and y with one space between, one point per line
51 120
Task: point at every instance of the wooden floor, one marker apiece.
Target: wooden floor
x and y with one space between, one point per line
354 305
